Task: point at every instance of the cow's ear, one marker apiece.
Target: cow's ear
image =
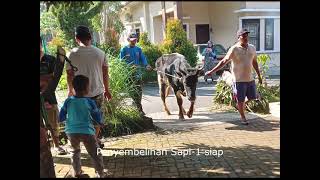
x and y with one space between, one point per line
200 71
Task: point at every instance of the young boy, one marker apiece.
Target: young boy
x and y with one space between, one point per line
79 113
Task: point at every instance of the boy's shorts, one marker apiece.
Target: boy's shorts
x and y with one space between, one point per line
242 90
53 119
99 99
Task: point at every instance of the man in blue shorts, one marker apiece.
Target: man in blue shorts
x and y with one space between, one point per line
242 56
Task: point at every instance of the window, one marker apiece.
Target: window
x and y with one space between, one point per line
253 25
202 47
138 34
202 33
269 34
186 29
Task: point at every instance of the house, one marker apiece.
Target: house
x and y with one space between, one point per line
204 20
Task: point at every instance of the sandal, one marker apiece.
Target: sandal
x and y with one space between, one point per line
101 145
81 175
61 151
244 122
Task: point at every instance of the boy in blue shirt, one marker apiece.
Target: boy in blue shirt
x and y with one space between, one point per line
134 56
79 112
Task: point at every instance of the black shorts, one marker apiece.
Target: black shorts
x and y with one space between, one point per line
242 90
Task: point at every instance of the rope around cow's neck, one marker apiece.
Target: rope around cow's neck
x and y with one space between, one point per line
170 75
161 72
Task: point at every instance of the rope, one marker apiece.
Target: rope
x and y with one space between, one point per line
74 68
170 75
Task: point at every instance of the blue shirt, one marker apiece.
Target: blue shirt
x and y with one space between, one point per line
134 56
79 114
212 54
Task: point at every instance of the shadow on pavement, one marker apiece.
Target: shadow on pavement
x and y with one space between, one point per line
257 124
244 161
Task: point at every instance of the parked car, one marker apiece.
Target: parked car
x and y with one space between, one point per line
221 52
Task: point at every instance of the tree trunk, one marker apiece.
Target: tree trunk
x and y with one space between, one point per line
104 22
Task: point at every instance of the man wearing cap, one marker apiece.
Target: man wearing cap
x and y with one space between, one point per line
242 56
134 56
92 63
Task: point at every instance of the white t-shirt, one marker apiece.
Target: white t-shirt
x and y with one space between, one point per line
89 61
241 62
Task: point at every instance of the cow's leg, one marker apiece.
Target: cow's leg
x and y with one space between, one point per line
184 111
179 101
168 91
190 112
162 87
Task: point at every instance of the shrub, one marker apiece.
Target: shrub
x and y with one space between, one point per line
176 42
121 118
224 95
143 40
63 81
152 53
263 61
111 44
113 50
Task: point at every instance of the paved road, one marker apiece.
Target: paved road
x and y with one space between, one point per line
152 102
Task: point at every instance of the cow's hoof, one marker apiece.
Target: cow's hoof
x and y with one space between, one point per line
189 114
168 113
181 118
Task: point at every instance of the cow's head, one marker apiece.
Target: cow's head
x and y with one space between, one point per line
190 80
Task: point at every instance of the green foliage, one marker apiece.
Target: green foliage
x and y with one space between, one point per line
152 53
268 94
263 61
113 50
73 14
122 118
113 10
112 42
272 94
223 94
143 40
125 120
96 23
176 42
48 22
63 81
54 43
119 73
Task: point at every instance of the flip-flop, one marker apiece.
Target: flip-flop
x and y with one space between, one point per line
61 151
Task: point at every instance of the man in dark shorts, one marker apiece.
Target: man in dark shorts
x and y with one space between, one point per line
242 56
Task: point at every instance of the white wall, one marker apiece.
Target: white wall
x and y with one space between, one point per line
198 13
224 22
262 5
137 12
157 24
155 7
